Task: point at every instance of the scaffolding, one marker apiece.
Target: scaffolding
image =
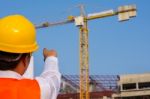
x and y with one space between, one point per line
100 86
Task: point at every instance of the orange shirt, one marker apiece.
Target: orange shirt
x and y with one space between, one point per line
11 88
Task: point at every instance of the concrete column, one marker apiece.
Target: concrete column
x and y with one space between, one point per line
121 87
137 86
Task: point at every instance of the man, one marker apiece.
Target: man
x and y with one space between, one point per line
17 43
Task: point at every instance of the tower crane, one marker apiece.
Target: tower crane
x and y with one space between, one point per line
124 13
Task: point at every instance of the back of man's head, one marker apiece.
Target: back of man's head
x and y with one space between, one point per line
9 61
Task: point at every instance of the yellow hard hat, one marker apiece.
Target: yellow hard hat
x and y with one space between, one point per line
17 35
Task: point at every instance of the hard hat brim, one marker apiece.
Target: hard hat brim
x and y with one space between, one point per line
19 48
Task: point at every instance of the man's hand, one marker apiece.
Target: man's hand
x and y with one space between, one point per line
47 53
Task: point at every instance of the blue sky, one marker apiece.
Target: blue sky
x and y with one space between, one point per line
114 47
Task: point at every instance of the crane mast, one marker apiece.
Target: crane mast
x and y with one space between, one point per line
84 62
84 57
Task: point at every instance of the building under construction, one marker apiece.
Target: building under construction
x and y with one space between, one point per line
133 86
101 86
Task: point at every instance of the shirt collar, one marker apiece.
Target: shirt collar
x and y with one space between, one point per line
10 74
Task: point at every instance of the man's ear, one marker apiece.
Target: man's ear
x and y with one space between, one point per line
26 60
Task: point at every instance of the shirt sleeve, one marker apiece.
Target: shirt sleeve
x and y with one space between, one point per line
50 79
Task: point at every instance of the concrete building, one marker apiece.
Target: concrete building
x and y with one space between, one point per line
133 86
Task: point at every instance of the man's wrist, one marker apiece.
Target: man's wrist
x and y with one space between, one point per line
51 58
